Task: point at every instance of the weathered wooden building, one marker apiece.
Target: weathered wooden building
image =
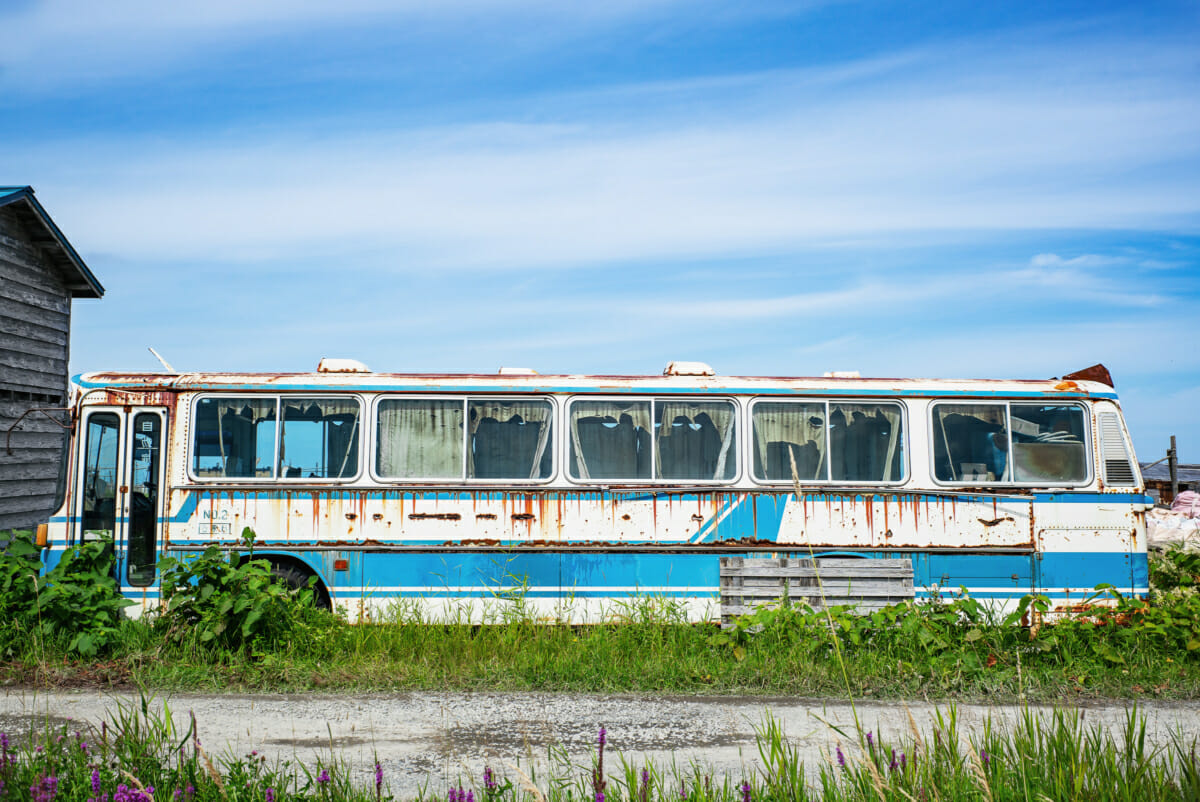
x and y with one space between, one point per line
40 273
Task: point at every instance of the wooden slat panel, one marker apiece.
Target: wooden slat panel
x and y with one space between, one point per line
33 276
32 332
22 498
34 347
19 377
39 317
40 299
866 584
23 440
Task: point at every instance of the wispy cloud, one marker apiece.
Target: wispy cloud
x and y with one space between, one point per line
895 157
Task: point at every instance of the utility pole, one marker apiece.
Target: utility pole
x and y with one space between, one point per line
1173 464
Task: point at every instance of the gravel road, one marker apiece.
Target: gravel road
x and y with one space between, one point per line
435 738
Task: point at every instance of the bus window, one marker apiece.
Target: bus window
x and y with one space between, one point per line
785 432
318 438
866 442
234 437
970 443
694 439
610 440
143 500
420 438
99 514
1048 443
510 439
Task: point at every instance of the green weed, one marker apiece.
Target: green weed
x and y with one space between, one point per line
75 606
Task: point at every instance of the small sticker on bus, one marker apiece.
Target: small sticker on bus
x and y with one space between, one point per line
214 528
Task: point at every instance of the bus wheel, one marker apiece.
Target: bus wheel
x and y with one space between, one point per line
298 579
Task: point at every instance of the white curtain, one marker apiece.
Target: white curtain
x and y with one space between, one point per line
801 429
514 443
239 436
863 442
704 459
613 450
420 439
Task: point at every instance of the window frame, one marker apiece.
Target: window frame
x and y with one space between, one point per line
274 478
905 440
462 479
735 448
1089 457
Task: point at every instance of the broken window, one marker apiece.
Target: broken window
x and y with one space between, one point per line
420 438
234 437
845 442
1027 443
319 438
510 439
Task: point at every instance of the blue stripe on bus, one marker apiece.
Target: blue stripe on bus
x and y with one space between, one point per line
545 574
630 569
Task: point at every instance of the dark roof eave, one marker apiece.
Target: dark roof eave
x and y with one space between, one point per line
81 282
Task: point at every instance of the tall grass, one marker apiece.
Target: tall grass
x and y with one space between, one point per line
952 650
144 753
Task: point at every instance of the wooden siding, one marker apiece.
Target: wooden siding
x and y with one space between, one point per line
35 325
866 584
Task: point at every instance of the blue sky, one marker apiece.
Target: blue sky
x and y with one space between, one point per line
905 189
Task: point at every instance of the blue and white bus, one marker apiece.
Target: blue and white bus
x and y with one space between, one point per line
578 493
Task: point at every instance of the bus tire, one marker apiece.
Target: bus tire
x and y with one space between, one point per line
298 578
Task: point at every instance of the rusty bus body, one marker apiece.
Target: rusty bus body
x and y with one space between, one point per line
569 493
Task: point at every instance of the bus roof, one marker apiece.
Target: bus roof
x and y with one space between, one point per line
593 384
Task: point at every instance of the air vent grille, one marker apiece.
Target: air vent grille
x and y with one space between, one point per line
1117 468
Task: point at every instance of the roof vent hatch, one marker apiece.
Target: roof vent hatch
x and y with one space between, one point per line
330 365
689 369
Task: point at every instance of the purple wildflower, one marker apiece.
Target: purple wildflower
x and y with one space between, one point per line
178 794
4 741
599 796
841 759
378 779
45 789
682 790
987 761
453 795
745 791
892 766
269 796
323 777
95 781
603 737
489 779
903 761
83 747
470 795
870 740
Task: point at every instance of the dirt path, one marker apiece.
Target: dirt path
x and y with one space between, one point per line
437 738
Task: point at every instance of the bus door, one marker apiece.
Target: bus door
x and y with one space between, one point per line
119 491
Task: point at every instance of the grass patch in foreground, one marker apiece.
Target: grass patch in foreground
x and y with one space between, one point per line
957 649
228 628
143 756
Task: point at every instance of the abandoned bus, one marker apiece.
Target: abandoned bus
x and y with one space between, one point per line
577 493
